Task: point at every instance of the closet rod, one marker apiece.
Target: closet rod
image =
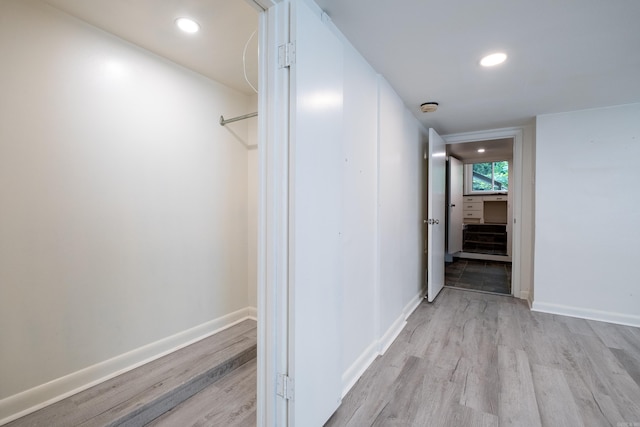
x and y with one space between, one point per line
224 121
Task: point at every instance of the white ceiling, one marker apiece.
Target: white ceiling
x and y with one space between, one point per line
215 51
563 55
495 150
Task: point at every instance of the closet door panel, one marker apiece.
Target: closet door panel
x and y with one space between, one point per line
315 218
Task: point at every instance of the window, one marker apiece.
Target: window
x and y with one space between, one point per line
487 177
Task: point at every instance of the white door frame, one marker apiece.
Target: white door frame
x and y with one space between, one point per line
517 135
273 195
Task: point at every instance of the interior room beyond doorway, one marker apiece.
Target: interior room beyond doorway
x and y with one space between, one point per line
479 275
479 244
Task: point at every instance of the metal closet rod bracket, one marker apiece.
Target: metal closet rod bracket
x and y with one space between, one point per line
224 121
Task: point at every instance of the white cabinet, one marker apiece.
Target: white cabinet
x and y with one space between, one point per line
473 206
494 198
472 215
486 224
491 209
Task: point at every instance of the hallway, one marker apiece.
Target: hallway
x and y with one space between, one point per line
477 359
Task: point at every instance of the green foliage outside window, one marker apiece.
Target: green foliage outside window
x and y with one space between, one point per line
491 176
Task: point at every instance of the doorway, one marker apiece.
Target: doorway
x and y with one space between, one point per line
483 231
151 205
479 233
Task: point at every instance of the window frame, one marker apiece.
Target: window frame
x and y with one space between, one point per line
468 178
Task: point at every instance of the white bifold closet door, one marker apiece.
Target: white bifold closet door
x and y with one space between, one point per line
316 165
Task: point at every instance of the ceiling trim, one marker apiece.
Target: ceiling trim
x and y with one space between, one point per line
262 5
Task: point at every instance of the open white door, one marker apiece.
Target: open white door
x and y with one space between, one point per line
455 189
315 206
435 211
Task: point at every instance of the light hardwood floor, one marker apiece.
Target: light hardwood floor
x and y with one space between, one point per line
177 380
229 402
474 359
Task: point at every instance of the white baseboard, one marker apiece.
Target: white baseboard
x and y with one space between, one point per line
413 304
392 333
357 368
31 400
252 313
525 296
585 313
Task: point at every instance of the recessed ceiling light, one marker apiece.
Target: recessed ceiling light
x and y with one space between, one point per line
188 25
493 59
480 150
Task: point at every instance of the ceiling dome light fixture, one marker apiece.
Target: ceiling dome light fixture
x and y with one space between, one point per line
493 59
429 107
480 150
188 25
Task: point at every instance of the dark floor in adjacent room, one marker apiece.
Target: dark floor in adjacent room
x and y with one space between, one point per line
479 275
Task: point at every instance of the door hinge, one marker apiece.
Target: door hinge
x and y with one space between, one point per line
285 387
286 55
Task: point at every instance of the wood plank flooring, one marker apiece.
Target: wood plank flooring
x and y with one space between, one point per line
474 359
468 359
229 402
139 396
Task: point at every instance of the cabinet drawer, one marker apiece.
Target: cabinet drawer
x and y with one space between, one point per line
472 214
496 198
472 206
472 199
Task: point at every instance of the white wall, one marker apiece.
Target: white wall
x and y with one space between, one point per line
391 126
252 204
124 203
400 207
411 184
382 270
360 211
383 149
587 232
